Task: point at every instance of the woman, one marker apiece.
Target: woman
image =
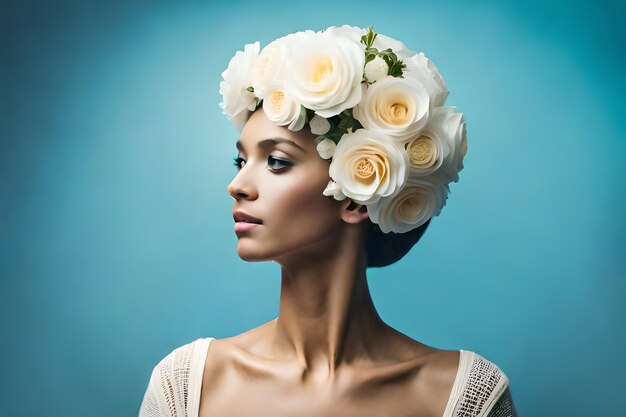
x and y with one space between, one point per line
346 152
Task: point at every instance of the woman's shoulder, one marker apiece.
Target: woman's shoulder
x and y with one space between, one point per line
480 388
181 357
179 360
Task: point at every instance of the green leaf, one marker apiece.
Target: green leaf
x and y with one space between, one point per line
309 113
250 89
332 122
334 135
395 70
370 54
344 124
389 54
368 39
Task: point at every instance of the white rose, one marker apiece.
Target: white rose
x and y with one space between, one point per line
237 101
376 69
326 72
333 189
353 33
368 165
270 67
319 125
282 110
422 69
399 107
383 42
454 138
291 40
410 208
326 148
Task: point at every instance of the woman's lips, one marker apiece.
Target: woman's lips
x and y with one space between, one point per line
244 221
241 216
244 226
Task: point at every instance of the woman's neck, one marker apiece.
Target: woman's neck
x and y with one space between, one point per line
327 317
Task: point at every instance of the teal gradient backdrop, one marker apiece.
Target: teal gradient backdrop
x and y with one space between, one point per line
116 239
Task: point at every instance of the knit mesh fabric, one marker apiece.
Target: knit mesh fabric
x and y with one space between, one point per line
168 392
504 406
485 391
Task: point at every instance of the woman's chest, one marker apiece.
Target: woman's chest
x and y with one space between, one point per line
248 397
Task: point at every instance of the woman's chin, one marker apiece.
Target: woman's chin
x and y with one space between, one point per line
249 254
251 258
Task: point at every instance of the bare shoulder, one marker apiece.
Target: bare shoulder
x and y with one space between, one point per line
245 341
224 350
436 378
442 364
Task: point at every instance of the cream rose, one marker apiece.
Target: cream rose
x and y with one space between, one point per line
269 68
326 72
368 165
422 69
237 101
432 145
424 154
410 208
282 110
397 107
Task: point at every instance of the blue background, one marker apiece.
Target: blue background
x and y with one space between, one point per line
116 240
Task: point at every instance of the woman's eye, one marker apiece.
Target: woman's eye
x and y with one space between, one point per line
276 164
239 162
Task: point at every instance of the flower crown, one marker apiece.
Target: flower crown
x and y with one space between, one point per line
376 107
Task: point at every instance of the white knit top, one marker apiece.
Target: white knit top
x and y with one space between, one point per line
480 388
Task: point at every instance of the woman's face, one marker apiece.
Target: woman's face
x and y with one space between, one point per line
280 181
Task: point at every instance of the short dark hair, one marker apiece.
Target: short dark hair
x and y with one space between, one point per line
383 249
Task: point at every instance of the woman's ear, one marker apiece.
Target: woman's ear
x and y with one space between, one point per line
352 212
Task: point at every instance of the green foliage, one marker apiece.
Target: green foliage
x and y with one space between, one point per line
395 65
341 124
368 40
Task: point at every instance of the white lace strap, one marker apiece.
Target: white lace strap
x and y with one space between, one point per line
485 383
465 362
174 387
478 385
196 374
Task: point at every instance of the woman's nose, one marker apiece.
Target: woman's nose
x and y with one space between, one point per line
241 188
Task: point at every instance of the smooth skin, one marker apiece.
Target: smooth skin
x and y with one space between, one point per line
328 353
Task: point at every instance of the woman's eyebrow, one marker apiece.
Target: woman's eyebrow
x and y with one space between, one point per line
270 142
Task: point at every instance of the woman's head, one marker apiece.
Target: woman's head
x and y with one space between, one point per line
366 129
279 182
